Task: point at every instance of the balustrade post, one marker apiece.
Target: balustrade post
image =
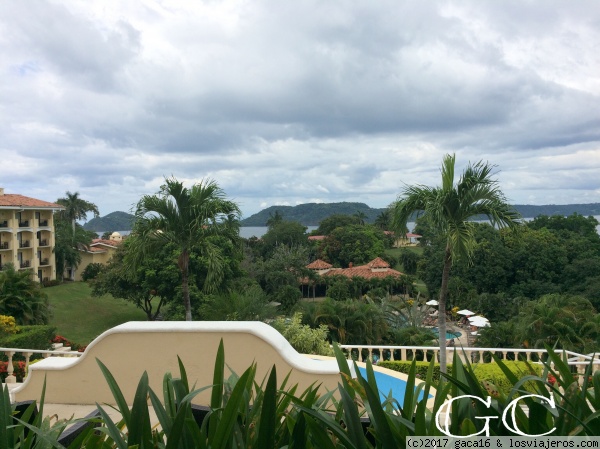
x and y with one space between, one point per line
403 354
27 357
10 369
370 354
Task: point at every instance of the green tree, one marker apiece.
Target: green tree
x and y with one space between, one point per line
106 235
288 233
569 322
360 217
186 218
21 297
327 225
352 244
68 242
248 303
150 285
274 219
384 220
76 208
450 207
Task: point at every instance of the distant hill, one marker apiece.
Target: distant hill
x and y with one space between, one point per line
311 214
115 221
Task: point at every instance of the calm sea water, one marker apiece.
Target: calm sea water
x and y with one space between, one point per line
258 231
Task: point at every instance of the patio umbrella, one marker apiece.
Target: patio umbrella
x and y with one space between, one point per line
465 312
432 302
480 323
478 318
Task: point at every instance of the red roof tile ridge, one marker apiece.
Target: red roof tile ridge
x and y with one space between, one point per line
16 200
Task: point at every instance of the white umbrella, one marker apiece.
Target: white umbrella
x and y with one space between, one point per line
478 318
465 312
480 323
432 302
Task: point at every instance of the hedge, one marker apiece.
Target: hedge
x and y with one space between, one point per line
29 337
422 367
489 374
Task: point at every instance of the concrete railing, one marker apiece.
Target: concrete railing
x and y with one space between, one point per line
473 355
27 353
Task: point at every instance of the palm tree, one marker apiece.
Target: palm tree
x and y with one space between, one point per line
274 219
69 241
360 217
76 208
383 220
188 218
449 207
21 297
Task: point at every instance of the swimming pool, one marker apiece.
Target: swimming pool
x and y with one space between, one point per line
449 335
387 383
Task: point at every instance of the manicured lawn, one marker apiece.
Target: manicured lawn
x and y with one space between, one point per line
80 318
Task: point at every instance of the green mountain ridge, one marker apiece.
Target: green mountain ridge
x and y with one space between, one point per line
311 214
115 221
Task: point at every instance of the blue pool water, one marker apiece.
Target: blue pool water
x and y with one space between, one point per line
449 335
386 383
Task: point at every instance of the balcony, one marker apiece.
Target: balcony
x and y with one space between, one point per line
4 224
4 245
24 244
43 242
25 264
43 223
45 261
24 224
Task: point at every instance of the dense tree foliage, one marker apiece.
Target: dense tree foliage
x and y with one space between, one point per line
187 218
21 297
69 241
334 221
151 284
354 244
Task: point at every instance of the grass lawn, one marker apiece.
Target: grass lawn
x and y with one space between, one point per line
80 318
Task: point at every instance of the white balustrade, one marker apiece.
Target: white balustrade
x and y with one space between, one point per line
27 353
475 355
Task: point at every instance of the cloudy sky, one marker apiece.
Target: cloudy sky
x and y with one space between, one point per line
293 102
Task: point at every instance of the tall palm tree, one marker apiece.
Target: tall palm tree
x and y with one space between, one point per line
449 208
76 208
186 217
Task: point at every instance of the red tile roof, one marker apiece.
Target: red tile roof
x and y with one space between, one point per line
411 235
112 243
14 200
377 268
319 265
378 263
317 237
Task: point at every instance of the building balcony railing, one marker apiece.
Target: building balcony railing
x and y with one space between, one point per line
45 261
4 245
25 264
4 224
24 244
43 223
43 242
24 224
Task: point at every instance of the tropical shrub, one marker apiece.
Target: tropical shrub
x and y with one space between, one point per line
19 370
21 297
302 337
91 271
7 325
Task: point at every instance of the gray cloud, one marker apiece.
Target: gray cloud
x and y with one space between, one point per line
298 102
